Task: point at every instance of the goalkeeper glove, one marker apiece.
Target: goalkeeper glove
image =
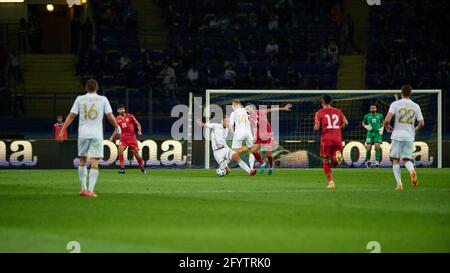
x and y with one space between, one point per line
381 130
368 127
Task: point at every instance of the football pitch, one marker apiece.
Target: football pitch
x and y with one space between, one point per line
195 211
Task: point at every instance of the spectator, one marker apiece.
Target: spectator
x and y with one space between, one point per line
192 75
125 62
57 128
213 24
311 55
272 47
322 57
333 52
13 67
229 75
273 23
348 29
22 35
336 14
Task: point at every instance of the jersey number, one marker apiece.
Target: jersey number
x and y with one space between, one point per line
91 114
408 114
335 121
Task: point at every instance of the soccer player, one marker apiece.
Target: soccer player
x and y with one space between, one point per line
240 125
373 122
222 153
263 132
332 121
406 113
127 122
91 107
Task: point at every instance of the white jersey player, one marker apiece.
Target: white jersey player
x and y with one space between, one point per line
406 114
241 128
222 153
90 108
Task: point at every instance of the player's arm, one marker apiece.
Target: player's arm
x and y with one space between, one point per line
113 136
231 123
387 121
112 119
286 108
316 123
138 126
420 119
344 121
201 124
69 119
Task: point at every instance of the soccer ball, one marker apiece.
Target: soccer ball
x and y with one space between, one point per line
221 172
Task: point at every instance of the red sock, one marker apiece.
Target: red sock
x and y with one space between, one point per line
258 157
327 170
140 162
122 161
270 159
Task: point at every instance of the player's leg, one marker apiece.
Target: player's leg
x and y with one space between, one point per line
395 156
325 153
255 151
121 150
83 150
368 154
82 174
235 157
407 155
95 153
93 175
378 154
270 161
139 160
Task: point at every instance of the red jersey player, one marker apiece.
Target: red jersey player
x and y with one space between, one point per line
128 138
262 132
332 121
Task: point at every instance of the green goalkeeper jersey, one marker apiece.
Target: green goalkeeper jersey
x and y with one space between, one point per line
374 120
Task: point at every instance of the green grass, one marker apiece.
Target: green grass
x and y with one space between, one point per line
195 211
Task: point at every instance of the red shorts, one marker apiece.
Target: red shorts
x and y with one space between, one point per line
263 141
329 150
268 145
130 142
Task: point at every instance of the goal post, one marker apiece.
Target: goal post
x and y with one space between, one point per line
299 143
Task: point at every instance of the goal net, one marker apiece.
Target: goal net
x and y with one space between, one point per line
298 144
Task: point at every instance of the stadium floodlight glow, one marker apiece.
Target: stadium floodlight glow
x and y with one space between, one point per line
353 102
50 7
71 3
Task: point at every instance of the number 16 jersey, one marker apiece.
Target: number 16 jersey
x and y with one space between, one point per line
91 108
331 120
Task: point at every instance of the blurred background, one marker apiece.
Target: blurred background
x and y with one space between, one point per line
149 54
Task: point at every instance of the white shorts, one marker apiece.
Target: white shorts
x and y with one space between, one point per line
402 149
223 156
90 147
239 140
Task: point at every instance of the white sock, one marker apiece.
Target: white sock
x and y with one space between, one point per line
244 166
82 174
397 173
251 160
409 166
93 174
